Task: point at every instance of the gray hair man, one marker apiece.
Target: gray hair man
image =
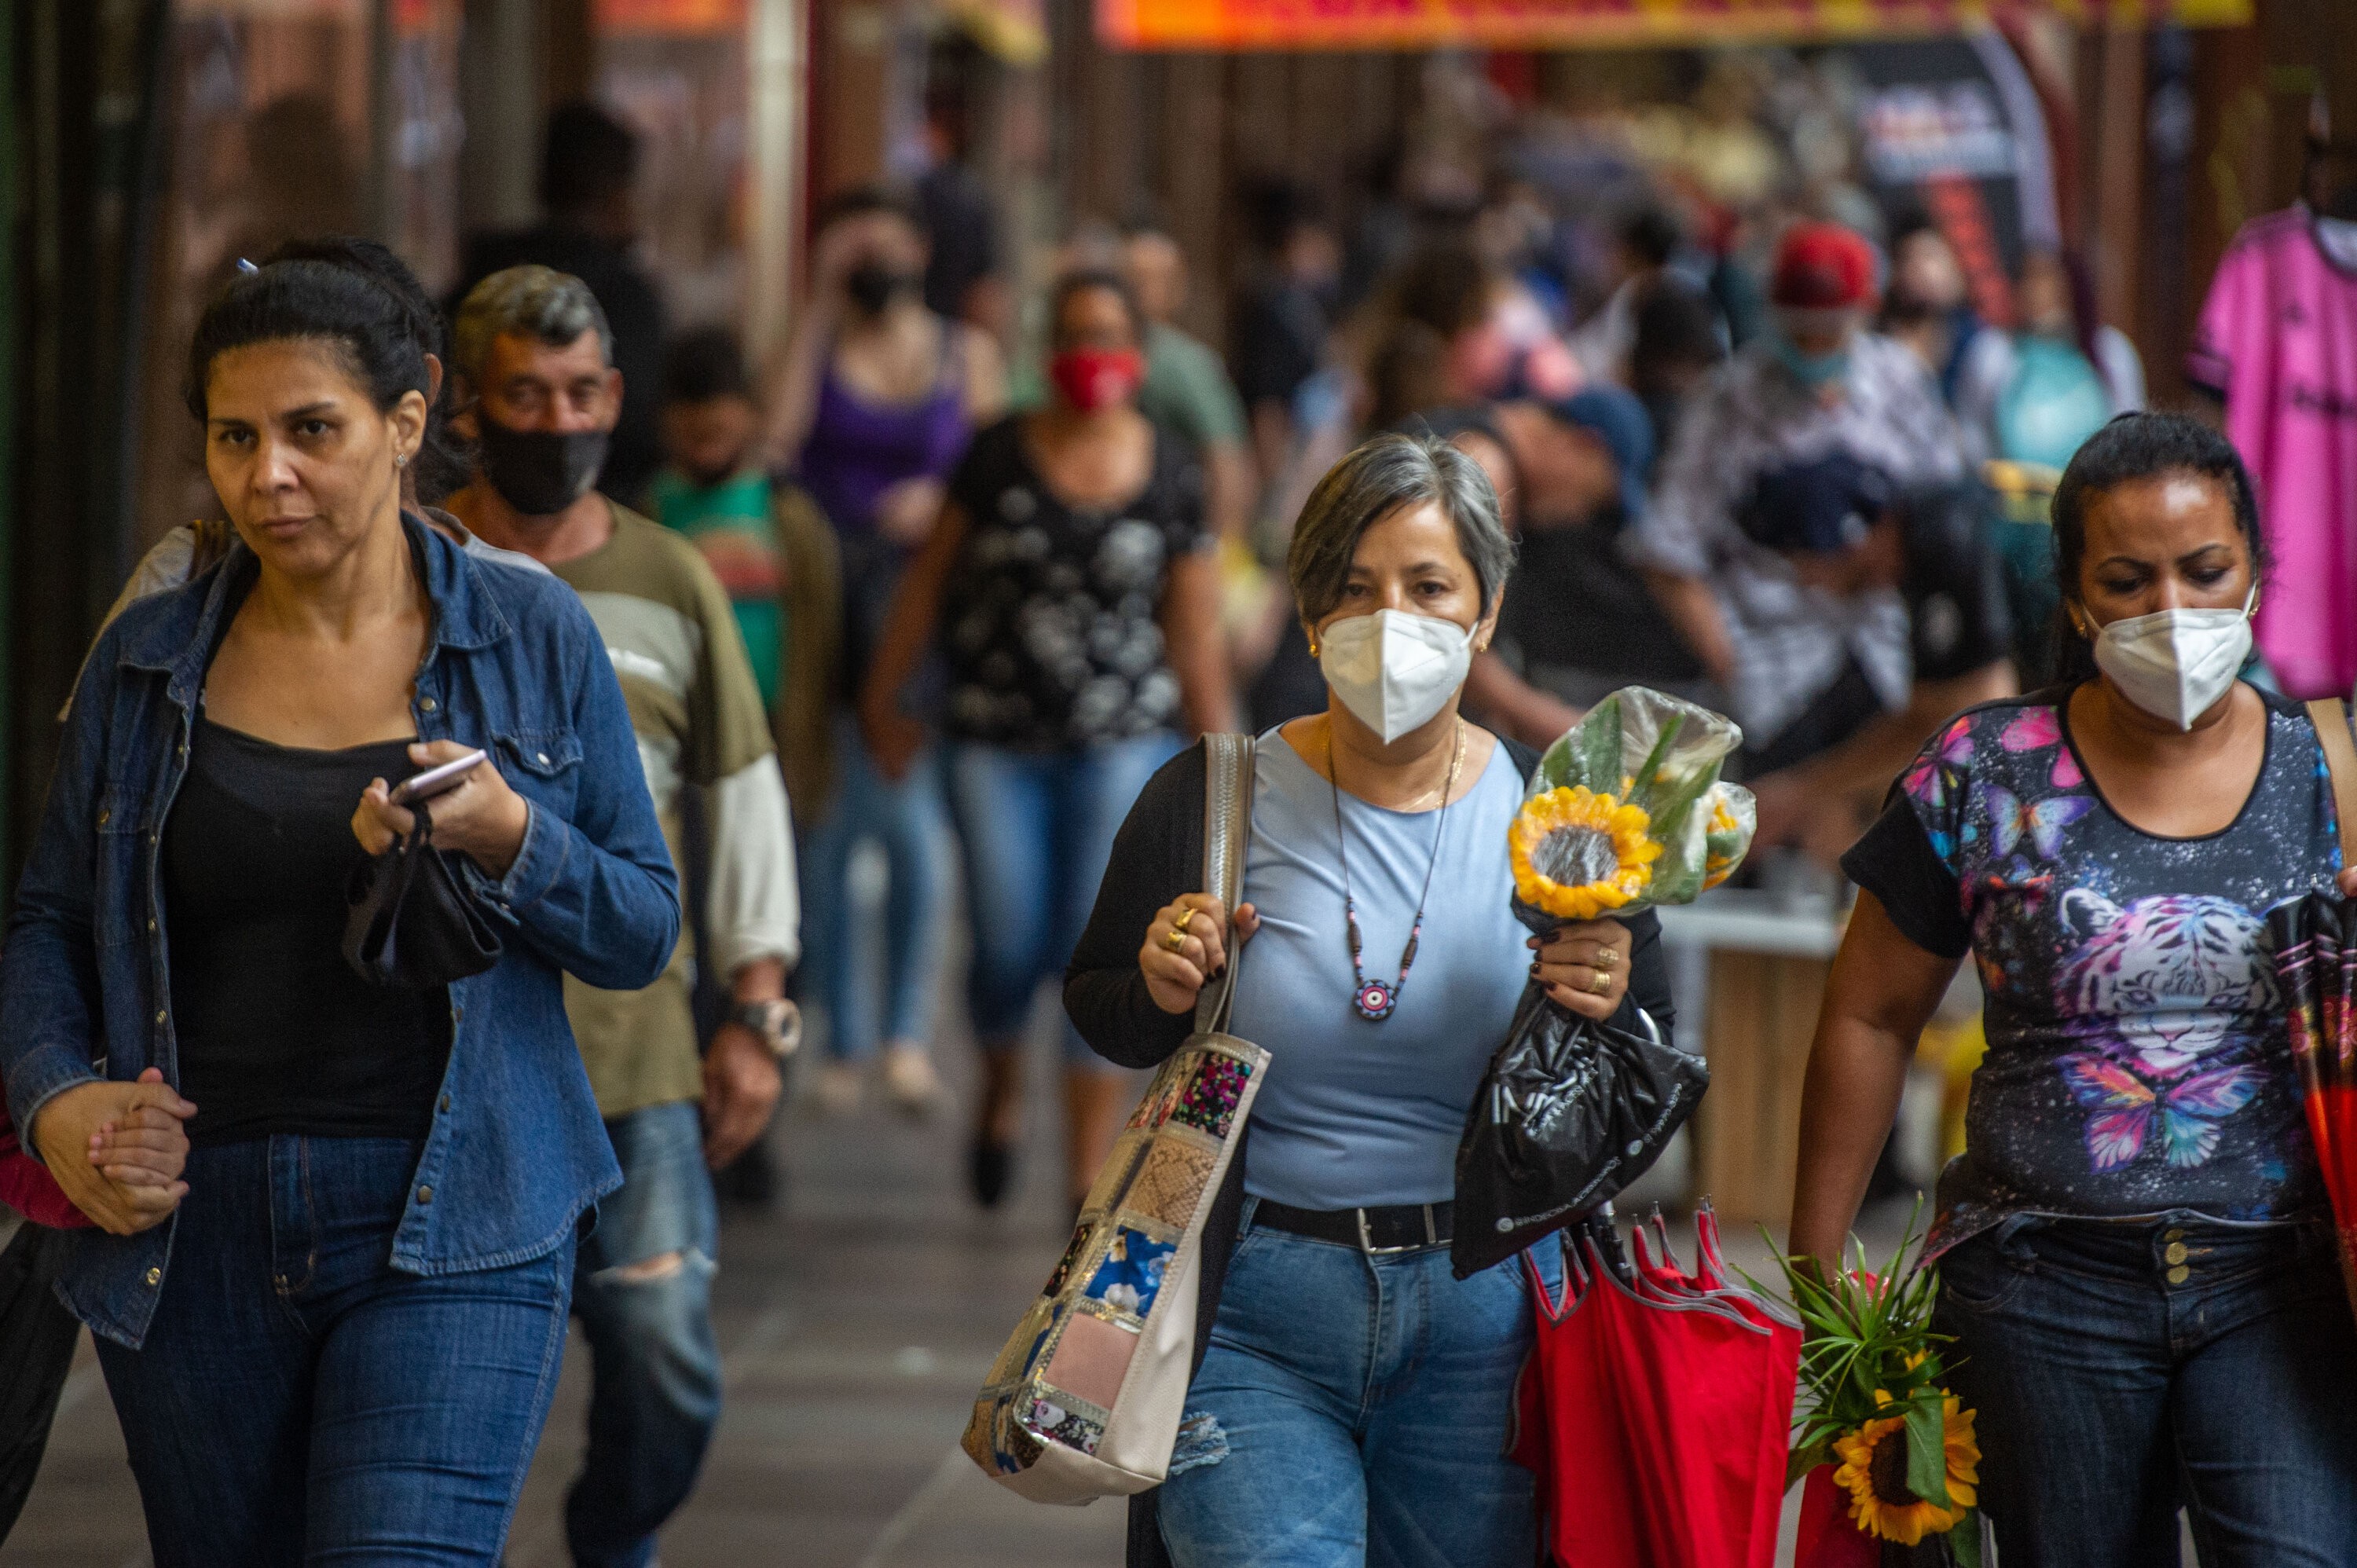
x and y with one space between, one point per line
532 359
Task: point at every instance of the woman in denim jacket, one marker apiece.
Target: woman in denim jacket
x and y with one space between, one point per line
345 1338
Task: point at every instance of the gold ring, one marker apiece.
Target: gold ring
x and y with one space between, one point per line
1606 957
1603 984
1176 940
1185 916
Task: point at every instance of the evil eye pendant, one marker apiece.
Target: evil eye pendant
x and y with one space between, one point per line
1375 1000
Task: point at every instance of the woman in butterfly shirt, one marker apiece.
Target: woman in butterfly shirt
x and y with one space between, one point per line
2135 1260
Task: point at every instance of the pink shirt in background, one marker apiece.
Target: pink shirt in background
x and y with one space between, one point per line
2277 338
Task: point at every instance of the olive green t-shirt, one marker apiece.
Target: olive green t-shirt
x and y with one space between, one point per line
672 637
1187 389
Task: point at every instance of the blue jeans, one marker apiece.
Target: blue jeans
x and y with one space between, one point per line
1037 829
297 1400
654 1366
906 819
2111 1394
1354 1409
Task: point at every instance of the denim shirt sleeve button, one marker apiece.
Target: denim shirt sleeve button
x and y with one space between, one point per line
425 1195
155 1276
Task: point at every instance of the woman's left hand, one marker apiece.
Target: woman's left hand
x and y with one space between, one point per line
1584 966
482 818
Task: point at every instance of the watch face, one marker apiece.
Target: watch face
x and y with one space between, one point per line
780 1024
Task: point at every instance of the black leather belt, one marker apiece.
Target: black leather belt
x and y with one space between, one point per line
1396 1228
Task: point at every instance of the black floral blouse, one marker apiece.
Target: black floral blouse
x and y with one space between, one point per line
1048 623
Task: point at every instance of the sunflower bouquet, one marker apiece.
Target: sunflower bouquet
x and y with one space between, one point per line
1889 1454
1624 812
1628 811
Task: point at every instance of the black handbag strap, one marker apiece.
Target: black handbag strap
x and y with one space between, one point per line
406 853
1228 772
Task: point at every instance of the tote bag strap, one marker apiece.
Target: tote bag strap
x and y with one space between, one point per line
2330 716
1227 829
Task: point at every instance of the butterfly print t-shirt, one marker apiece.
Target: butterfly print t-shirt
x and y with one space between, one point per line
2138 1058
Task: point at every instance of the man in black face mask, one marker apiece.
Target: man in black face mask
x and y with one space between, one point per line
532 356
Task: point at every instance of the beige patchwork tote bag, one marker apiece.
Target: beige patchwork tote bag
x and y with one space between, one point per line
1084 1402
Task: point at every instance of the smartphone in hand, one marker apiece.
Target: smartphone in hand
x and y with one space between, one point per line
439 780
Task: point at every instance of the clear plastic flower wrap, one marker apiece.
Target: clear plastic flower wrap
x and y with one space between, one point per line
1628 811
1625 813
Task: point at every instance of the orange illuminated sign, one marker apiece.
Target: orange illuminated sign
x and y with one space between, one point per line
671 18
1542 23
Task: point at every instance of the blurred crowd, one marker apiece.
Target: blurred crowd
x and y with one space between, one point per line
1760 441
985 555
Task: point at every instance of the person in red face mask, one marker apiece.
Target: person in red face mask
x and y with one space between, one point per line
1073 584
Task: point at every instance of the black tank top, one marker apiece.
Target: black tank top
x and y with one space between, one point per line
277 1034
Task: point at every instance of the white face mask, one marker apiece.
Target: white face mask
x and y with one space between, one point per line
2174 663
1393 670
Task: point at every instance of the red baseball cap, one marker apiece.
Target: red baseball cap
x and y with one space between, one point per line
1823 266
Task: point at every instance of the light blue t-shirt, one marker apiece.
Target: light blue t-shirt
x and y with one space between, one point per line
1356 1113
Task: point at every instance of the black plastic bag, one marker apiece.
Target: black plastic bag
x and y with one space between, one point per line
1570 1113
409 919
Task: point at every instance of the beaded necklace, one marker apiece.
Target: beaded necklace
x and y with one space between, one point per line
1372 998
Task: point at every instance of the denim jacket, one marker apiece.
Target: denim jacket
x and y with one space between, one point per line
516 1152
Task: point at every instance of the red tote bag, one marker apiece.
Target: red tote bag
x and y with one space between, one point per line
1656 1409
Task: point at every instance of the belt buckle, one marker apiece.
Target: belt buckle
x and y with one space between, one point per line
1367 1241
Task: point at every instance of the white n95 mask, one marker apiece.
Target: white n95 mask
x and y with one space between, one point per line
2174 663
1393 670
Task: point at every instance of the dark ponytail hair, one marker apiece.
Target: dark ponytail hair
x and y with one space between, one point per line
359 295
2138 446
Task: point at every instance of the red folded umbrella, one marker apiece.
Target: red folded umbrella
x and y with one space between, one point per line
2315 942
1657 1410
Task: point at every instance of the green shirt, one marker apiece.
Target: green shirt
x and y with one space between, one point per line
1188 389
730 524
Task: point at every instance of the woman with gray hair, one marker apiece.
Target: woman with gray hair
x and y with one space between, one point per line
1353 1399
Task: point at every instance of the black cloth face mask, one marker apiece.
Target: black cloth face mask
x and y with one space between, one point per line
540 472
873 286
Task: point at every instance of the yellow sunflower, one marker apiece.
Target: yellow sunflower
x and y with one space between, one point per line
1874 1469
1718 865
1577 854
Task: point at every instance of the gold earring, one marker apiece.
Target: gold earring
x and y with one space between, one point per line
1313 650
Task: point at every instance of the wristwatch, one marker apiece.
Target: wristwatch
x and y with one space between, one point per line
778 1022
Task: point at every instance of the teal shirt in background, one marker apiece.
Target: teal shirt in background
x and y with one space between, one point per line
731 523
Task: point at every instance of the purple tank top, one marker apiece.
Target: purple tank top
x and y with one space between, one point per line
856 450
